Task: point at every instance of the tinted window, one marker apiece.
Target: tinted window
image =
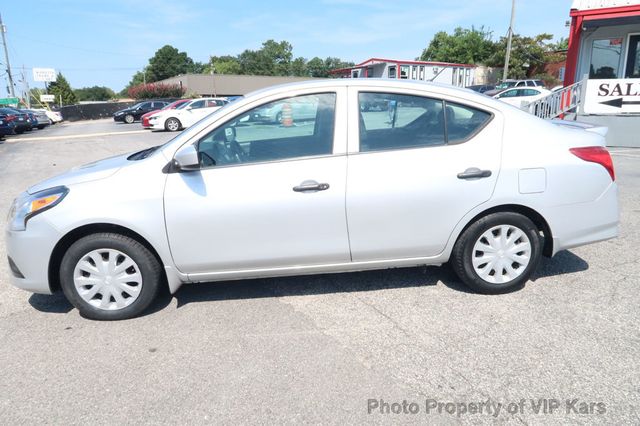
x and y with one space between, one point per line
198 104
463 121
391 121
531 92
146 105
305 129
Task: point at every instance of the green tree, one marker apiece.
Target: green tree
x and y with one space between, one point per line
168 62
224 65
62 90
465 46
298 67
317 67
273 58
95 93
528 55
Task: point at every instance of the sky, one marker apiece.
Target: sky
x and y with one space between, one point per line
103 43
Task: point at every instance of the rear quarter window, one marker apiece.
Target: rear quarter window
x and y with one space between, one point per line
464 122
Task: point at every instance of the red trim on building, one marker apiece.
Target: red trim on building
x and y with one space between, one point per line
575 33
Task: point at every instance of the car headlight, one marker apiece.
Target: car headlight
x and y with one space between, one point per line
119 113
28 205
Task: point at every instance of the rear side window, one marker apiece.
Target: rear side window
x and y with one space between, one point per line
463 122
393 121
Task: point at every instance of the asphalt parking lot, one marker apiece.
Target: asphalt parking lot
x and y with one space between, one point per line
326 348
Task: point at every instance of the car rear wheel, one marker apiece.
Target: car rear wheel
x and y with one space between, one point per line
109 276
129 119
498 253
172 124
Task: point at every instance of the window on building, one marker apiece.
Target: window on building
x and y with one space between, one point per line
421 72
404 71
355 73
370 72
414 72
605 58
633 57
392 71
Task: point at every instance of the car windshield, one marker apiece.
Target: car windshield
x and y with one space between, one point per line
183 105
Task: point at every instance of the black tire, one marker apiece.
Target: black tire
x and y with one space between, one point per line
41 126
172 125
463 252
129 119
149 269
19 132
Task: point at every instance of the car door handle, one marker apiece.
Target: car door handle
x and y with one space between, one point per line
474 173
311 185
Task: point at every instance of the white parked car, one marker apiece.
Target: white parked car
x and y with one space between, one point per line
186 114
442 175
54 116
520 96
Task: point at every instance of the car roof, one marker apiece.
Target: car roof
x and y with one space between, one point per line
380 83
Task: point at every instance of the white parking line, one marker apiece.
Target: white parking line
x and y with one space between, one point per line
86 135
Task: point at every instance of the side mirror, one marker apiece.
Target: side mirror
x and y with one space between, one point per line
187 158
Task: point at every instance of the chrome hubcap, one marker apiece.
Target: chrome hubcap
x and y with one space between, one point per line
107 279
501 254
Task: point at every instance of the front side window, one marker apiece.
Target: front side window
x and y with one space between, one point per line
197 104
605 58
303 127
509 94
415 121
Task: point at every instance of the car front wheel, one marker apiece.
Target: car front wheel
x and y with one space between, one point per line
498 253
129 119
172 125
109 276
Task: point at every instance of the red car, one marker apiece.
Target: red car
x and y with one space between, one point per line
173 105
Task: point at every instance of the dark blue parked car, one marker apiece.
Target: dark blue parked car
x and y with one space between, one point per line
19 120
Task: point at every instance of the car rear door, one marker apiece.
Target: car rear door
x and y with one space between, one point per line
415 170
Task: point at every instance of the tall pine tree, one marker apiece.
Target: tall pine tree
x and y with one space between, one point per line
62 91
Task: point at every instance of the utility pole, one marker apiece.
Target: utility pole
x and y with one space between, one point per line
3 29
509 37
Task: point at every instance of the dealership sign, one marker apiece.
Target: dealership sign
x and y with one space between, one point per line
9 101
44 74
614 96
47 98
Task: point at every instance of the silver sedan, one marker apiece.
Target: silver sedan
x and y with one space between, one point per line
438 174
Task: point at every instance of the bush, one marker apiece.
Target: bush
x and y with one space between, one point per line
156 90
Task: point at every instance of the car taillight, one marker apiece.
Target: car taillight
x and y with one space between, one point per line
596 154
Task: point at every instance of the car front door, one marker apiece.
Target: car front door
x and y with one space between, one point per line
266 196
415 170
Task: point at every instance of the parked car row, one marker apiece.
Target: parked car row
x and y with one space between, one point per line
516 92
167 115
15 121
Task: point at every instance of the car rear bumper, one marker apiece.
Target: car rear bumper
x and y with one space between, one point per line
29 252
575 225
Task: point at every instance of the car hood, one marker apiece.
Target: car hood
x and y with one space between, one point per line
89 172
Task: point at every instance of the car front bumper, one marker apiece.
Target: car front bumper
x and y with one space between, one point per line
30 252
